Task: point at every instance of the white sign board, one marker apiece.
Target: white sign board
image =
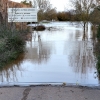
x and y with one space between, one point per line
22 15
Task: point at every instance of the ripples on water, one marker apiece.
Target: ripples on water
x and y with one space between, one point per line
62 55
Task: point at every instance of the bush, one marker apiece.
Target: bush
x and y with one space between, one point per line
11 45
97 51
98 32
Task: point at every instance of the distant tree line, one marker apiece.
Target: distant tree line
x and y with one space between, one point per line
84 10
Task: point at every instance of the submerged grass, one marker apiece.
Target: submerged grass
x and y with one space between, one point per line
11 45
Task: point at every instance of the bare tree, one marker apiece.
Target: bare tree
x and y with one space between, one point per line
45 10
83 9
42 4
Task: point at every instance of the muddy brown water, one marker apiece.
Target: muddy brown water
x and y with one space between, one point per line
60 54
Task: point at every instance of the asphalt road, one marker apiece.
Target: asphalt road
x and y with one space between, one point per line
49 93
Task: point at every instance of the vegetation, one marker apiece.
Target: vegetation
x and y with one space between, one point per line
97 51
27 3
94 16
64 16
11 45
83 9
45 10
11 36
11 42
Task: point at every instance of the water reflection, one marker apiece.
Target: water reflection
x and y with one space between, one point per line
82 53
38 51
64 55
82 57
9 72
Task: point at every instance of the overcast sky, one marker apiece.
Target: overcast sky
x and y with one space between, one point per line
61 5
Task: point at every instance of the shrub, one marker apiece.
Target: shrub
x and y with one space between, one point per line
98 32
97 51
11 45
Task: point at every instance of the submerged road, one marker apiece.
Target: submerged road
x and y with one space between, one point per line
49 93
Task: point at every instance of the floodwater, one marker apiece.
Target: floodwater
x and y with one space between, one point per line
62 54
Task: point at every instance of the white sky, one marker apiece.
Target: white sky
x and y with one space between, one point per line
61 5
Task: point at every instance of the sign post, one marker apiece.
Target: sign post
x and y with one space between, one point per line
22 15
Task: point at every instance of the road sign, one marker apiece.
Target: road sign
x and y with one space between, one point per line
22 15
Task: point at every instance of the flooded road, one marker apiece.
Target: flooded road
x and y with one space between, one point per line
62 54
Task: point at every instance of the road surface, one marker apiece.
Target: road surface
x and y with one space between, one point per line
49 93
